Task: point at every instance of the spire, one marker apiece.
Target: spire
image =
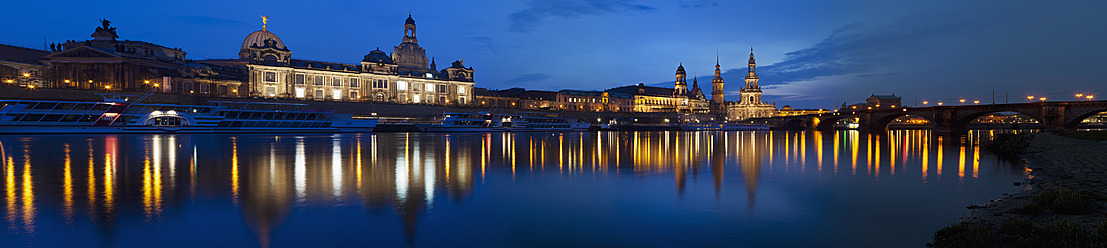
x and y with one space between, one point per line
264 22
716 59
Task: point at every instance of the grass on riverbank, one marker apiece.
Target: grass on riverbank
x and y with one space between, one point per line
1021 232
1088 135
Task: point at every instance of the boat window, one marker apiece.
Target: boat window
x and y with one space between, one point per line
11 117
167 121
278 116
268 116
273 124
205 110
65 106
83 106
237 124
224 124
101 107
52 118
45 105
231 115
89 118
31 117
250 124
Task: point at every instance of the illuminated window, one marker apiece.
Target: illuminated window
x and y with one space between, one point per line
318 94
301 93
429 87
430 75
337 94
271 91
270 76
401 85
461 91
354 95
415 99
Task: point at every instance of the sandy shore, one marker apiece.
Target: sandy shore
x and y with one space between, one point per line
1056 163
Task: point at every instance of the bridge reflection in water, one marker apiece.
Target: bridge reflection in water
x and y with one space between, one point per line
101 184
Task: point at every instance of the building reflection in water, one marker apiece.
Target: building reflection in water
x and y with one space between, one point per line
408 174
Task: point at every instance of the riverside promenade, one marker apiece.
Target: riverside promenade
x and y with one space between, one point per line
1062 205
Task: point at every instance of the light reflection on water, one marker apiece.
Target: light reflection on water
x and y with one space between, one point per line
509 189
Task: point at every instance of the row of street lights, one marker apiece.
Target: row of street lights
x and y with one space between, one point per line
1028 99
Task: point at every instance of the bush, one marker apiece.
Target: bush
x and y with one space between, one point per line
962 234
1060 201
1009 145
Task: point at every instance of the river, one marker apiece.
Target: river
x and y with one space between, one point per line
626 189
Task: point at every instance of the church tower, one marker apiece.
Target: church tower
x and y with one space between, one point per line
751 93
717 95
409 56
681 87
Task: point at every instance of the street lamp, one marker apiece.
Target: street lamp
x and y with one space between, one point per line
940 103
1029 98
1090 97
962 101
1043 99
976 102
926 102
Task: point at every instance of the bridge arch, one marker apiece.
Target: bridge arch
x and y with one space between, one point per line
881 124
796 123
962 123
1082 116
826 123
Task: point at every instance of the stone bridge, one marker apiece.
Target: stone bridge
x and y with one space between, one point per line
948 119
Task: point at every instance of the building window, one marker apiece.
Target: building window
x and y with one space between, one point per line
415 99
401 85
301 93
461 90
318 94
442 88
336 81
354 95
429 87
461 100
318 80
298 79
337 94
271 91
354 82
270 76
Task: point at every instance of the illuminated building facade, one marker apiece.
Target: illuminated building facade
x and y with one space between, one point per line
789 111
402 77
105 63
749 104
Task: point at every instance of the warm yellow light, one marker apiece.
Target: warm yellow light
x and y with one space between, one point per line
926 102
940 103
67 81
107 87
962 100
31 86
1079 95
976 102
156 85
146 82
1090 97
234 91
26 74
9 81
1029 97
1043 99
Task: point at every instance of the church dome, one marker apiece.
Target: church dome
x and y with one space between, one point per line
378 56
258 38
409 20
680 69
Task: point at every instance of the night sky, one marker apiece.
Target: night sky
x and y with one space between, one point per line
812 54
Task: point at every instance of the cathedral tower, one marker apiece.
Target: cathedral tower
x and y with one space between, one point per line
751 93
717 95
681 86
409 56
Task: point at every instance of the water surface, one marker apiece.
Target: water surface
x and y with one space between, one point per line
653 189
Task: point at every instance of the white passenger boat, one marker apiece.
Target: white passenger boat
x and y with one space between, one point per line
467 122
115 115
488 122
743 127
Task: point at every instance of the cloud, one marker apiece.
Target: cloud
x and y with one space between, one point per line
538 11
529 78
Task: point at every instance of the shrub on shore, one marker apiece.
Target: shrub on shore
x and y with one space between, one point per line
1009 145
1060 201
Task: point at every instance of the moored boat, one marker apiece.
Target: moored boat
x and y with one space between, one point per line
115 115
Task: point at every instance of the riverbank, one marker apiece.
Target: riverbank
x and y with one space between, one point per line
1063 206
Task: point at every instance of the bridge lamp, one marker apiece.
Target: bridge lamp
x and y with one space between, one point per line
926 102
962 101
976 102
1029 98
1090 97
1043 99
1078 96
146 82
940 103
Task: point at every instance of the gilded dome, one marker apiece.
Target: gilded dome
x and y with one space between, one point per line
258 38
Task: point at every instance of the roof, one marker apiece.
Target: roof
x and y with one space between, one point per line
641 89
258 38
21 55
319 65
892 96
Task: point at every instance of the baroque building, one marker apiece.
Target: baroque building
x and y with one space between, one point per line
749 104
106 63
402 77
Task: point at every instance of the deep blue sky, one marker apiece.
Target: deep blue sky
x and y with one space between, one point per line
812 54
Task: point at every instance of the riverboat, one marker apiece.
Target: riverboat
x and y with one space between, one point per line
116 115
743 127
488 122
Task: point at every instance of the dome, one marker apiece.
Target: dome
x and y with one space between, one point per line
378 56
409 20
258 38
680 69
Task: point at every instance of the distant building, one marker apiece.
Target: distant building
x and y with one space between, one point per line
596 101
749 103
105 63
789 111
883 101
22 66
402 77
